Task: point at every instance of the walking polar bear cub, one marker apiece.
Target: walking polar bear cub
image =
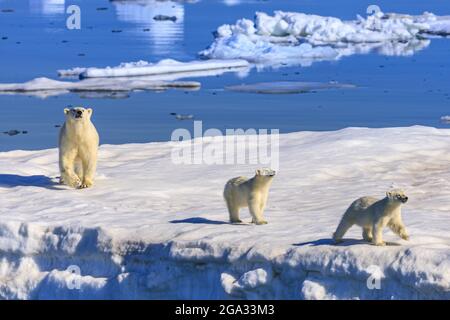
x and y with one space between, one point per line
78 145
373 215
252 193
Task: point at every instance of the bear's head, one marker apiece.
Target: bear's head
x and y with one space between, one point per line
265 173
78 114
397 195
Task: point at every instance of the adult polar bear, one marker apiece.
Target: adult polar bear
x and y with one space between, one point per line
78 146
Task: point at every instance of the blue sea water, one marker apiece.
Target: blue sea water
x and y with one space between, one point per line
34 42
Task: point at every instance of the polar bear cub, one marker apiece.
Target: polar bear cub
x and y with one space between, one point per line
78 145
373 215
252 193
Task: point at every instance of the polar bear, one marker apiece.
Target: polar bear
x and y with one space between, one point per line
252 193
78 145
373 215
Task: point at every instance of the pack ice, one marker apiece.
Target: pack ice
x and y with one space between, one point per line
299 38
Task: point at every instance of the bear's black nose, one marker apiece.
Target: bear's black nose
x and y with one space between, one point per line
79 112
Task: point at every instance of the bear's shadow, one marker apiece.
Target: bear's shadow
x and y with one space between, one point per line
14 180
344 243
199 220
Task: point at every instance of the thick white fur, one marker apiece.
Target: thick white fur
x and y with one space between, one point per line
78 145
252 193
373 215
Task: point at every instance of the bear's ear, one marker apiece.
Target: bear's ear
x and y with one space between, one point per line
89 110
66 110
258 172
389 194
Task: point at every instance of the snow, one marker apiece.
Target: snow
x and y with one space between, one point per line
303 38
249 281
435 25
71 73
163 67
152 229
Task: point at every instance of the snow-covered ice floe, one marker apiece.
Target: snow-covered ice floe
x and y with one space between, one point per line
153 229
44 87
445 119
288 87
432 24
163 67
128 76
299 38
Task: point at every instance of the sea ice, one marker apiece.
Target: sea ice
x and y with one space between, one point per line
128 76
445 119
286 87
303 38
153 229
44 87
161 68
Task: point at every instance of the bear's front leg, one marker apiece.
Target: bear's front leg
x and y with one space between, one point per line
403 233
397 226
66 167
254 207
89 167
378 234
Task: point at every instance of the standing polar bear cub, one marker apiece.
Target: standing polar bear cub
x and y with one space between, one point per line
373 215
252 193
78 145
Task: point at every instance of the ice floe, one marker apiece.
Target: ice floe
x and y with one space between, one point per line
142 232
286 87
128 76
445 119
163 67
182 116
44 87
299 38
